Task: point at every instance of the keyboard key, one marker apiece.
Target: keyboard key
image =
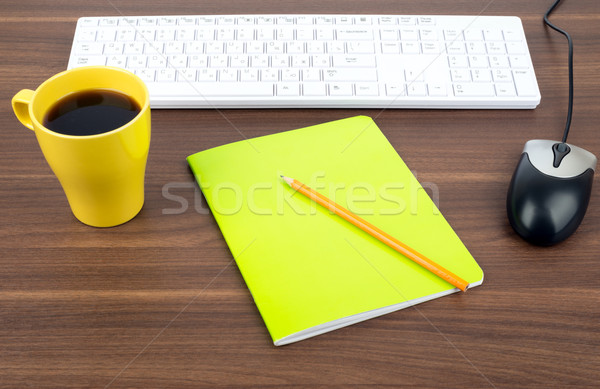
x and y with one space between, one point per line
209 75
205 34
417 89
108 22
324 34
512 35
147 21
473 34
388 34
198 61
428 34
280 61
518 62
524 81
437 89
173 48
324 20
350 75
414 74
499 61
295 47
137 61
343 20
239 61
269 75
430 48
290 75
229 75
315 48
390 47
113 48
387 20
354 34
194 48
496 48
476 48
88 22
478 61
426 21
411 48
459 75
407 20
361 48
506 90
458 61
493 34
288 89
481 75
165 75
395 89
186 75
89 48
409 34
301 61
367 89
321 61
502 75
206 20
340 89
474 90
116 60
249 75
157 61
455 47
311 75
314 89
147 75
91 60
353 61
186 21
453 35
259 61
305 34
218 61
363 20
515 48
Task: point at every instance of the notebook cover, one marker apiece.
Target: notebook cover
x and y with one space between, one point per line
310 271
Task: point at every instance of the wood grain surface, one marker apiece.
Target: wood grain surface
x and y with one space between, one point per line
159 302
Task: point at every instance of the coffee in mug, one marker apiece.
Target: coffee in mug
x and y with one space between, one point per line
93 126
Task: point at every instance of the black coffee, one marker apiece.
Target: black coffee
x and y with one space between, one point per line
91 112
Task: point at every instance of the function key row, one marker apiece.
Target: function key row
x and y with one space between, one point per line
258 20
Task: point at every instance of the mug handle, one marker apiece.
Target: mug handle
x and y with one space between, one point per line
20 105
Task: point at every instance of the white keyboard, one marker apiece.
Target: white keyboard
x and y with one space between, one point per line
298 61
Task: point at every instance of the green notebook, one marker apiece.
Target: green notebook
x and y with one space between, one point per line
310 271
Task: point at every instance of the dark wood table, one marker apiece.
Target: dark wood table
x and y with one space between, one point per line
159 302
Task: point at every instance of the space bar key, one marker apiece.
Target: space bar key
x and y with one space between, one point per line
211 89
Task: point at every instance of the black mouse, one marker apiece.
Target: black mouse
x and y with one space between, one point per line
549 191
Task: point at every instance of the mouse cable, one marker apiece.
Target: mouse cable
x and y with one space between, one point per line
570 41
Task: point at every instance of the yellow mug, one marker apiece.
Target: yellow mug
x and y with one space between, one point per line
102 175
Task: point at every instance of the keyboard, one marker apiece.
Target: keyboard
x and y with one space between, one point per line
322 61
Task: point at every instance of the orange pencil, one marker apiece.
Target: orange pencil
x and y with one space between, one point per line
380 235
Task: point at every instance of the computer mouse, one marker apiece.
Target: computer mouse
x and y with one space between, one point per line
549 191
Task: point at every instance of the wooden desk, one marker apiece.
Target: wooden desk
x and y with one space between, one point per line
158 302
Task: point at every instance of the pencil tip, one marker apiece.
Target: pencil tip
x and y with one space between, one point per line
287 179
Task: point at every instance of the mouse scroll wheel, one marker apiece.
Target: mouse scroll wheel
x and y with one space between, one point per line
560 151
